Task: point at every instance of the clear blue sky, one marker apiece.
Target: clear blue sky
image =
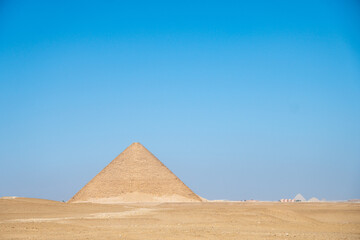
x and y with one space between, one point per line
257 99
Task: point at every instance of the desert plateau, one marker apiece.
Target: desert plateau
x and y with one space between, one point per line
27 218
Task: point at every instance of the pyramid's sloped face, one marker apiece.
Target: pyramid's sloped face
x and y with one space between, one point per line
135 176
300 197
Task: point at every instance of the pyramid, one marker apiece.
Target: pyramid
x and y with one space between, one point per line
313 199
135 175
299 198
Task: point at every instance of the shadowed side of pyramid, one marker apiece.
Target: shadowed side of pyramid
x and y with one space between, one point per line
136 175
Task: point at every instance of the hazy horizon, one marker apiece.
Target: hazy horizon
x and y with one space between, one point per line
251 100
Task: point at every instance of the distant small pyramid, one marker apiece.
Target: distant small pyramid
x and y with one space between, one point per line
313 199
299 198
135 175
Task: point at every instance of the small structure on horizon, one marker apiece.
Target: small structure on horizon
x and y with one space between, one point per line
314 199
286 200
299 198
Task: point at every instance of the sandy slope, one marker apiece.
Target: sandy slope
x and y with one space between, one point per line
23 218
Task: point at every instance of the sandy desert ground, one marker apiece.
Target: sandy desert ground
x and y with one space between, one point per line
25 218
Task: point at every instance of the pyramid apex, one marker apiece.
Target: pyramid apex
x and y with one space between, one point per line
136 144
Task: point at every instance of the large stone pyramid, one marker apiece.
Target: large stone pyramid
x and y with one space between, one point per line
136 175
